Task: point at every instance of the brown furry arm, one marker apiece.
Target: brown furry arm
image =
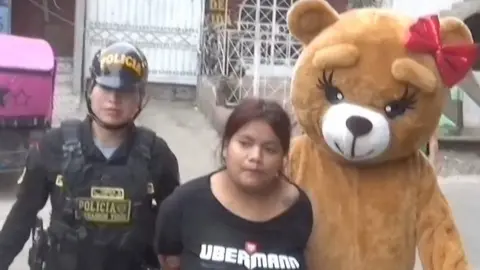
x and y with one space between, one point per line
439 243
294 157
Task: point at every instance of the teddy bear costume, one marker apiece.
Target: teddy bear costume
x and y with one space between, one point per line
368 91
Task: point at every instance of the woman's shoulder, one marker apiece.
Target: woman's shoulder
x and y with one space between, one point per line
181 200
297 221
190 190
301 209
194 186
303 201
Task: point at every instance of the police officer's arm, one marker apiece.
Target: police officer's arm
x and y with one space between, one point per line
31 198
165 170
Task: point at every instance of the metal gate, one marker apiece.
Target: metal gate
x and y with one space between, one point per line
267 47
168 31
257 57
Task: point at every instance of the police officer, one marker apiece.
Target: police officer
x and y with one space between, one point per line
104 177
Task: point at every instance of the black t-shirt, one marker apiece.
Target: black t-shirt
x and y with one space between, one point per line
192 223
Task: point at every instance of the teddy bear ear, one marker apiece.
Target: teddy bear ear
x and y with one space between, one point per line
307 18
454 31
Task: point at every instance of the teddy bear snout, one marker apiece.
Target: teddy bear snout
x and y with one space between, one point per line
359 125
355 132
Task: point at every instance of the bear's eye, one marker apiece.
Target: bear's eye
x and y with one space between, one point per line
332 93
400 106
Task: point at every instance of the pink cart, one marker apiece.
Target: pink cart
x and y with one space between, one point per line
27 81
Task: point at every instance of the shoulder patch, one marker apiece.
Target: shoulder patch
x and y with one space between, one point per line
150 188
20 179
59 180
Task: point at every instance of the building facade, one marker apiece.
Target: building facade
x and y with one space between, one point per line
172 33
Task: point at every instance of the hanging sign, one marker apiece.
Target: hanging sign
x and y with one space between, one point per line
222 12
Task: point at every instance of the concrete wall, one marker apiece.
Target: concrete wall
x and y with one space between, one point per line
471 109
469 90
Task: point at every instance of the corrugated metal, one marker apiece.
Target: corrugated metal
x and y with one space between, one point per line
168 31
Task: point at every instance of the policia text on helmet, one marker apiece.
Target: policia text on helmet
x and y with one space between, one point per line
119 76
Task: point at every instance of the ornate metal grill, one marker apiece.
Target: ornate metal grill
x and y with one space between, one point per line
256 58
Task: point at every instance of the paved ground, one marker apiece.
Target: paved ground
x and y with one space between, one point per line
464 195
195 144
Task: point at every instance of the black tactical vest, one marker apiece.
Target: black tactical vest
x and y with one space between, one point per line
97 207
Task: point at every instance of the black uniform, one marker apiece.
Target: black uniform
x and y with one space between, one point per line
192 223
103 210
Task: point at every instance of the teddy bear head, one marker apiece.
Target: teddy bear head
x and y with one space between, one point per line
370 84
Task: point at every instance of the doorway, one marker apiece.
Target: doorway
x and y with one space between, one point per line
52 20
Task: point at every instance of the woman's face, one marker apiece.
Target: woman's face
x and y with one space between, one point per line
254 157
114 107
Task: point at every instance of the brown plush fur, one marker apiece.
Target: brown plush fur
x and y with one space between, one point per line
373 214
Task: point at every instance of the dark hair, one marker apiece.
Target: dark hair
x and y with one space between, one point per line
251 109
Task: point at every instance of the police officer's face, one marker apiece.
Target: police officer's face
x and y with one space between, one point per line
114 107
254 157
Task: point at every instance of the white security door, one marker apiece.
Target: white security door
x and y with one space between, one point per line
167 31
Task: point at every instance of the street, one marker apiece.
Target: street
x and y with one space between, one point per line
196 144
463 193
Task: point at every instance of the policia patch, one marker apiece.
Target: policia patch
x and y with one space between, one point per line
105 205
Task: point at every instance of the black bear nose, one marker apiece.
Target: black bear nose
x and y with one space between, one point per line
359 125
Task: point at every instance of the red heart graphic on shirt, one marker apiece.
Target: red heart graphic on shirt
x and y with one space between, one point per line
250 247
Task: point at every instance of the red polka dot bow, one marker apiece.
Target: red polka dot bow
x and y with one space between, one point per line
453 61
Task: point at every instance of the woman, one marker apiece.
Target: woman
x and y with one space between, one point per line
246 215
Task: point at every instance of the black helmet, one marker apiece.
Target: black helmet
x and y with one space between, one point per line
120 66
